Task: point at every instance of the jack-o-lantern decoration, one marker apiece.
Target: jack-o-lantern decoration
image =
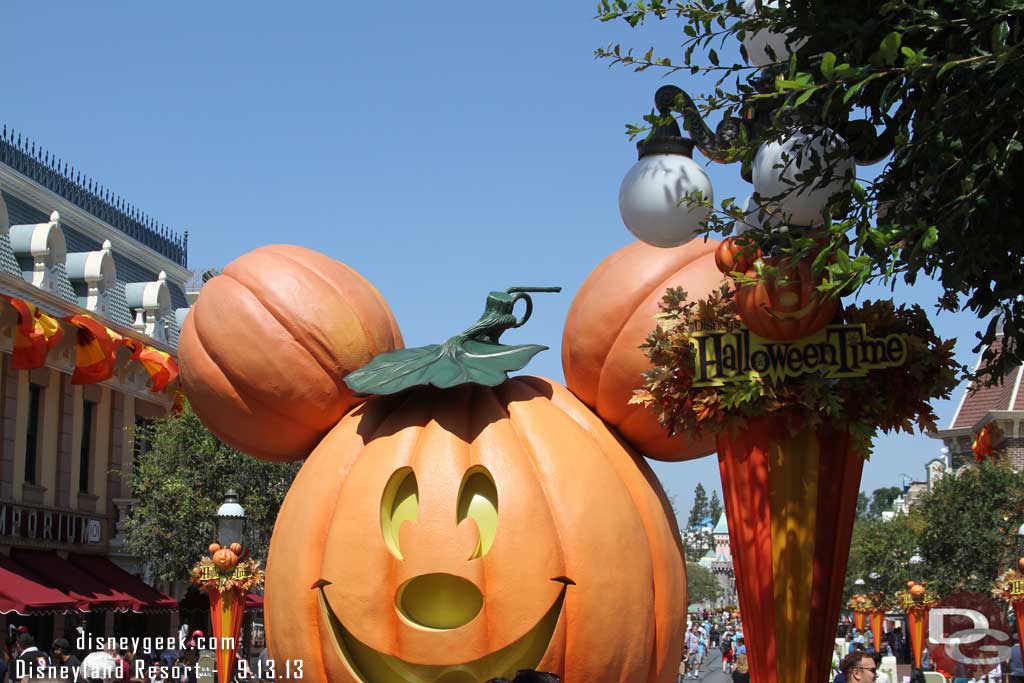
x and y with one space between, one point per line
611 317
785 306
497 529
225 559
265 349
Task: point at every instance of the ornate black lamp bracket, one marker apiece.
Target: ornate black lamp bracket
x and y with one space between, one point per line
713 145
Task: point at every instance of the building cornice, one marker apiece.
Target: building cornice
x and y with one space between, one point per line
31 192
54 305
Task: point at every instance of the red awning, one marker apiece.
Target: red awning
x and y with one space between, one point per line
144 597
23 591
201 601
88 592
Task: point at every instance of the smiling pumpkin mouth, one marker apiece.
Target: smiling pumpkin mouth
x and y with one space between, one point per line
370 666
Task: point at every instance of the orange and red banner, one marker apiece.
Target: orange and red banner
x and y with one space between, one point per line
226 610
96 345
95 350
790 502
35 334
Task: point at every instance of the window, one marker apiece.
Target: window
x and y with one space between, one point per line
35 399
84 459
142 429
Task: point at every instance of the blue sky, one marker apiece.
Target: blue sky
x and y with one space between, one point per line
442 149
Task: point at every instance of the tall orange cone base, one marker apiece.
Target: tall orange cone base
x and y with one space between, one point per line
859 617
226 610
876 628
917 617
1018 612
790 503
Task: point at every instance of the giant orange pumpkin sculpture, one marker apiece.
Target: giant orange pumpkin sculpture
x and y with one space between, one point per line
264 350
463 534
470 526
610 318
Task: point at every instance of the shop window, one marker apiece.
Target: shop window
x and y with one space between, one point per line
143 429
35 405
85 450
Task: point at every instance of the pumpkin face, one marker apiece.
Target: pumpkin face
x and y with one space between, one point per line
265 348
610 318
787 307
455 536
225 559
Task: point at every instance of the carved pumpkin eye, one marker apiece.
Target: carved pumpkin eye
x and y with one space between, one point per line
399 504
478 500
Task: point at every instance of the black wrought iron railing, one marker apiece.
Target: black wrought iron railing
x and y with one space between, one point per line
55 175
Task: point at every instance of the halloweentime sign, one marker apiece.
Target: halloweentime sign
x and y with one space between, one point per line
838 351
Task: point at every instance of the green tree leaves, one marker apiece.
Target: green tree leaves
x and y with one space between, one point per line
181 481
702 586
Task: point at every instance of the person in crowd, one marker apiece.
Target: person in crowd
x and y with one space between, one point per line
896 642
65 659
741 647
741 671
715 636
858 667
33 658
691 641
702 651
727 654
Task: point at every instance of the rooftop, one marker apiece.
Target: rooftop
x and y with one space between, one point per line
68 182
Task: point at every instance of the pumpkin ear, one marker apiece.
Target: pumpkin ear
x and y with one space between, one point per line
609 320
265 348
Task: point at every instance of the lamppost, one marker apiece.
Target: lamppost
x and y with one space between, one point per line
226 576
230 520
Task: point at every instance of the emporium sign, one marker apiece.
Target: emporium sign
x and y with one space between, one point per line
40 524
837 351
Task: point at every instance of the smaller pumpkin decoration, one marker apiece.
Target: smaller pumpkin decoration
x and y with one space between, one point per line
786 305
236 548
1020 563
917 590
911 584
225 559
214 547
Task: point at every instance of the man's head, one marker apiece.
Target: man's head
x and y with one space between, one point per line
859 667
61 648
25 641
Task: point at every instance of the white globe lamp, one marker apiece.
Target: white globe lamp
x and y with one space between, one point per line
757 44
665 197
779 163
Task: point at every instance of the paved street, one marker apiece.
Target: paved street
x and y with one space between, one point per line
712 671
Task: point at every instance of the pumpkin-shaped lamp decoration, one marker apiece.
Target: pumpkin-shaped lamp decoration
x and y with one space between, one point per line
917 590
265 348
784 305
225 559
482 547
1020 564
611 317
